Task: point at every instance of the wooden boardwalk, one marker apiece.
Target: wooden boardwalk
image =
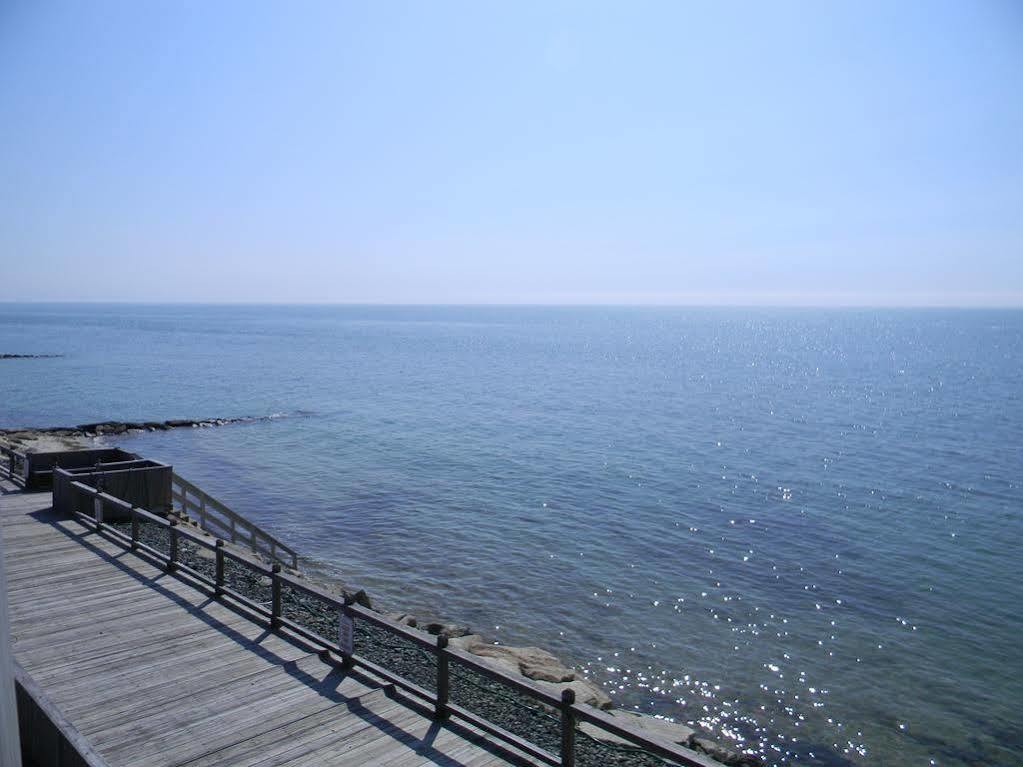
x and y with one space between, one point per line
150 671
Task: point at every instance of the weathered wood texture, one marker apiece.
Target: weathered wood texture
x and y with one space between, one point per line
151 671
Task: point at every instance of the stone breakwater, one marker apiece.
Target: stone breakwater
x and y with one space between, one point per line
58 437
29 356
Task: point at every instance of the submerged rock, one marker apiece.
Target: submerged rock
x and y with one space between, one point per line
673 732
651 725
722 753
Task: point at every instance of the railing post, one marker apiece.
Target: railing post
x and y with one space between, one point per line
346 612
97 501
172 562
440 710
218 588
567 728
275 598
134 529
202 511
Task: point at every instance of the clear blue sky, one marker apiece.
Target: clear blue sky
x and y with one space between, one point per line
860 152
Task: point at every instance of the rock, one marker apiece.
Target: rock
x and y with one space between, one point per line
403 618
178 423
448 630
505 665
103 427
532 662
264 580
722 753
649 725
585 692
465 642
360 597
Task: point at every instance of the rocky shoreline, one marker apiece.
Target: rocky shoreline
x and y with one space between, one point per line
513 711
43 438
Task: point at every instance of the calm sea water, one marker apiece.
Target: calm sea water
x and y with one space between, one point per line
800 529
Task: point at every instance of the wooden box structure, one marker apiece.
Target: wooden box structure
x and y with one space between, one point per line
38 467
141 482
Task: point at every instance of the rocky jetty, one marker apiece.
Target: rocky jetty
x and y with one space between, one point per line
41 439
29 356
105 428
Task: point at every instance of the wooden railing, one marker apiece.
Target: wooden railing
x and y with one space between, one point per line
12 465
217 519
571 713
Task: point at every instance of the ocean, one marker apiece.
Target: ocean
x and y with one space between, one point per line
799 529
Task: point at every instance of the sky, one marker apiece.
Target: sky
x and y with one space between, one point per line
866 153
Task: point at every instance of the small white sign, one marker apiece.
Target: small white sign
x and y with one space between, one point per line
346 633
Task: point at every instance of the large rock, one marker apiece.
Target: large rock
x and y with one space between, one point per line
722 753
360 597
585 692
448 630
465 642
673 732
649 725
532 662
103 427
403 618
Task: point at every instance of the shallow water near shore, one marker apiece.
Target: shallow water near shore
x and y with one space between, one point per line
800 529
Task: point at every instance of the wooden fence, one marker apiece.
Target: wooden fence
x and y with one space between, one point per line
12 465
217 519
571 713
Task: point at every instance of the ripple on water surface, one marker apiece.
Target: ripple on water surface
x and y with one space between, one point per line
797 529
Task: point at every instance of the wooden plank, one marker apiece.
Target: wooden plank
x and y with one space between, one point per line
271 746
215 718
154 673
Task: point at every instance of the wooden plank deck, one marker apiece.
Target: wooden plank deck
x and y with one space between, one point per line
151 671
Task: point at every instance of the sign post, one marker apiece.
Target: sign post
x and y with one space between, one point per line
346 633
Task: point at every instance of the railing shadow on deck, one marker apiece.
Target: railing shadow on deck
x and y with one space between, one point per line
570 713
325 687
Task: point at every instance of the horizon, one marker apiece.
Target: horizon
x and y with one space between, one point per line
525 305
848 155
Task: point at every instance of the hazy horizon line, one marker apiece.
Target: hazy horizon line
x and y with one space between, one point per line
1010 305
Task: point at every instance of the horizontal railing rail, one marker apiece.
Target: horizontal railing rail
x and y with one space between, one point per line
571 713
12 465
216 518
